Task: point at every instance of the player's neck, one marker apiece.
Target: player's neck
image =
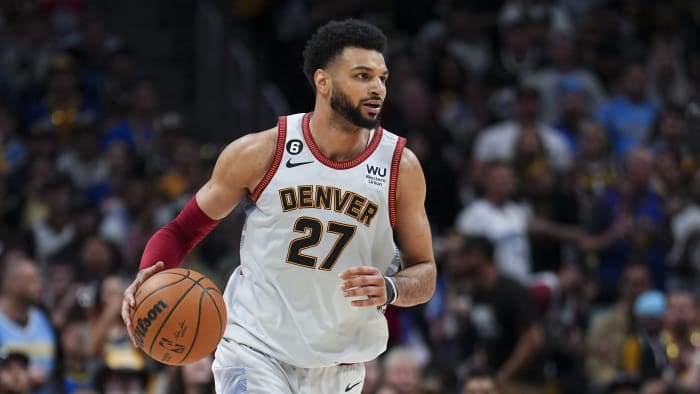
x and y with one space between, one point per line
337 138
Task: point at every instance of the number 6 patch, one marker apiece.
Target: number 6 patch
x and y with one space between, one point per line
294 147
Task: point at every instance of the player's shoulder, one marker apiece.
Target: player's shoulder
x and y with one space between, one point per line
409 162
257 144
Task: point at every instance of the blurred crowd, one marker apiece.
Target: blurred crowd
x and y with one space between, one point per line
561 149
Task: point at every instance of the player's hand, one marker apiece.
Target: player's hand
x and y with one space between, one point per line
129 301
364 281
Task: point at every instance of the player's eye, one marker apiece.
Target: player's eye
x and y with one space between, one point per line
363 76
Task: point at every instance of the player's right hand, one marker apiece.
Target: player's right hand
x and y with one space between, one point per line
129 301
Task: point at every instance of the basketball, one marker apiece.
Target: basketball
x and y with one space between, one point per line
179 316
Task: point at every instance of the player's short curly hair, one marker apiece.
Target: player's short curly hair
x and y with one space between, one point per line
330 40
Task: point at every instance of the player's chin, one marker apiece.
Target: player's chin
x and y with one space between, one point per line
371 114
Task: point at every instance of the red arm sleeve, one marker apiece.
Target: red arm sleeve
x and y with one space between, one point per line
175 240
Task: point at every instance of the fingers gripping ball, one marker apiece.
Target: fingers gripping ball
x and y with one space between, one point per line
179 316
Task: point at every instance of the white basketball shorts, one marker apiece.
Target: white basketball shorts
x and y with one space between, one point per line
241 369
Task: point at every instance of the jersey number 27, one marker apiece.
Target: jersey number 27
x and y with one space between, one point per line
312 229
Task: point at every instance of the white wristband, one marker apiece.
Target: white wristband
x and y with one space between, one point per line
394 291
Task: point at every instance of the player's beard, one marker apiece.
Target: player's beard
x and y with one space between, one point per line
341 104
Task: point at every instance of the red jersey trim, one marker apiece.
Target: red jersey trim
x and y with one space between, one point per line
338 165
395 164
276 160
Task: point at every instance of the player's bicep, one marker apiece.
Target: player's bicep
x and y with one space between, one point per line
412 227
238 169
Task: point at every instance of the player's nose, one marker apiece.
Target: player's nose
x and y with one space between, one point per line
377 88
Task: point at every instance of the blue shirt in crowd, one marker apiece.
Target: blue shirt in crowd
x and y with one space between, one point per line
628 122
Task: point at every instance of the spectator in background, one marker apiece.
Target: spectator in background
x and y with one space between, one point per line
447 313
23 326
607 333
657 386
121 368
467 41
630 115
498 142
680 335
564 298
565 73
669 182
120 74
51 234
508 335
97 260
550 199
631 215
127 213
185 171
76 369
120 378
595 168
623 385
14 374
518 53
508 223
480 382
194 378
442 196
670 138
84 165
668 81
401 371
60 294
644 353
13 149
684 257
137 130
373 377
26 50
108 336
574 111
502 220
62 105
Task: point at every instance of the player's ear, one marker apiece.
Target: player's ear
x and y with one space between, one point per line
323 81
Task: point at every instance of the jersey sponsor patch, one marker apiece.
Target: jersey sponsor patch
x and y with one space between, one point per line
375 175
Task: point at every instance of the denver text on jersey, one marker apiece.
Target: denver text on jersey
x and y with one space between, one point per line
329 197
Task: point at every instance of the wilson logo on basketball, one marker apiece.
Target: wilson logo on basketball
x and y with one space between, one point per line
142 324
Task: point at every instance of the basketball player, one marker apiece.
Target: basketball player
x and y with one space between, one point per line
330 189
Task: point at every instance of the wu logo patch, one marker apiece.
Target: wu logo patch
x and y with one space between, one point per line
372 170
375 176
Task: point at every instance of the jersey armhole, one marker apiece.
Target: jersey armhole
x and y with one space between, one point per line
395 164
276 160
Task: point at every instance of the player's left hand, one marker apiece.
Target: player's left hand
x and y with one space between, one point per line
364 281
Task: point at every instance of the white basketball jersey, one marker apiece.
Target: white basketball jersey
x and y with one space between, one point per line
313 218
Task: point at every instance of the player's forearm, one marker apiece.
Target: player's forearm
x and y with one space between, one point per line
174 241
415 284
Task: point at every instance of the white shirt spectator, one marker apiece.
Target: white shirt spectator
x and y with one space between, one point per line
506 227
498 143
548 83
682 225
